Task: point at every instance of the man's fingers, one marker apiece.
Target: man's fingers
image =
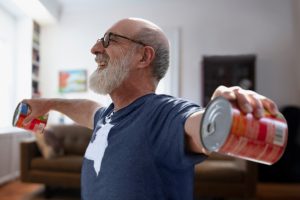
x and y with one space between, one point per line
224 92
242 101
270 106
258 109
28 119
248 101
25 101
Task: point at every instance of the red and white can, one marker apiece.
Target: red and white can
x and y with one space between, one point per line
37 125
225 129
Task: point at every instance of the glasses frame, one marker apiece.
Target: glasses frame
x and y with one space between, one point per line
105 40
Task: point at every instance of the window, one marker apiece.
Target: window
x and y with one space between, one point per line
7 38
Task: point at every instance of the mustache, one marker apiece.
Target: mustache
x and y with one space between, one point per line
101 58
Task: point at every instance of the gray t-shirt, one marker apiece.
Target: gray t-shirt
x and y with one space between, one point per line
138 152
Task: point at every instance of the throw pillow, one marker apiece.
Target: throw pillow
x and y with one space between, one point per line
49 145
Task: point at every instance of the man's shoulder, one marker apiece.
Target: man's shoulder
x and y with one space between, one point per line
162 103
169 99
166 98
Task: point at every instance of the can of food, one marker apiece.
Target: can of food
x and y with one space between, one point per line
37 125
226 130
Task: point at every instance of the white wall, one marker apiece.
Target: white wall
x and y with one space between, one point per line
264 27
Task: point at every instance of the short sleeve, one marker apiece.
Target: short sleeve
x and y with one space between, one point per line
168 135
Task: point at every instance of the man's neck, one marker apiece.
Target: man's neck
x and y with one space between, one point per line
125 95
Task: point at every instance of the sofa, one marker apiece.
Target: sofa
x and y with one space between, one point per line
218 176
224 177
62 166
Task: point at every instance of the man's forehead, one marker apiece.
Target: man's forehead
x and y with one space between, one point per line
126 27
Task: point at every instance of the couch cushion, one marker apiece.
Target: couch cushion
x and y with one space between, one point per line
71 163
218 156
220 171
49 145
74 138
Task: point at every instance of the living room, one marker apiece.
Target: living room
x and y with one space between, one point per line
60 41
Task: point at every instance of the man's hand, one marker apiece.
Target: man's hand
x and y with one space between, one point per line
247 100
41 107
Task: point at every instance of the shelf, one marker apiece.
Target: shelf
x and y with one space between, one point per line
35 46
35 61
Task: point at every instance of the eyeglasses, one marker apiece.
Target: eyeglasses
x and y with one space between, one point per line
109 36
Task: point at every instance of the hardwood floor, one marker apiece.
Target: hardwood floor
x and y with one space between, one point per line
275 191
15 190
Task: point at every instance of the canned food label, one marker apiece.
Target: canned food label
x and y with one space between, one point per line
37 125
261 140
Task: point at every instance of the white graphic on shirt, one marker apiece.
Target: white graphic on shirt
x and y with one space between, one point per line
96 148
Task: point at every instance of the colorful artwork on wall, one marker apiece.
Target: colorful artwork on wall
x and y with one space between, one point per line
72 81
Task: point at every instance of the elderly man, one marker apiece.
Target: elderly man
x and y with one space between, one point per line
144 145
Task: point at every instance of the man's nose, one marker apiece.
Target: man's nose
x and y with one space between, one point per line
97 48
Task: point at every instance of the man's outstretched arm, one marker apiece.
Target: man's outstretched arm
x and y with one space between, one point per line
80 110
248 101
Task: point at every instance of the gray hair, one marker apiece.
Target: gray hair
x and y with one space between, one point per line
152 37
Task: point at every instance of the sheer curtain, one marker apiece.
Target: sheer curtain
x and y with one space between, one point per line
7 89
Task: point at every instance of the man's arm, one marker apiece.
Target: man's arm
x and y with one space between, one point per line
248 101
192 134
80 110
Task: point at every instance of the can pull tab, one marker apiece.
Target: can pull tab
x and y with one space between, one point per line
211 128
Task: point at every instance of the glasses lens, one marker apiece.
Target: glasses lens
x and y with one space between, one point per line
106 40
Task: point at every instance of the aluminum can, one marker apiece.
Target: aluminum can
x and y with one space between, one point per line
37 125
227 130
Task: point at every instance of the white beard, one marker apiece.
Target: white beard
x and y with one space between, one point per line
104 81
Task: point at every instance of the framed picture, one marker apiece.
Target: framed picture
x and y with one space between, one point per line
72 81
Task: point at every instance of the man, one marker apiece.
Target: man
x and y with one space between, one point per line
144 146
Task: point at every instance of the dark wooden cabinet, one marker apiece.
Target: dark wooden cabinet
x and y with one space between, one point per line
228 71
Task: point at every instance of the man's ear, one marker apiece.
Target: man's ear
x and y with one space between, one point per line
148 56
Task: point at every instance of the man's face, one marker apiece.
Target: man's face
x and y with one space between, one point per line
111 71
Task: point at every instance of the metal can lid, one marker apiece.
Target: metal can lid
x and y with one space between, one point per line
16 114
22 109
216 124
